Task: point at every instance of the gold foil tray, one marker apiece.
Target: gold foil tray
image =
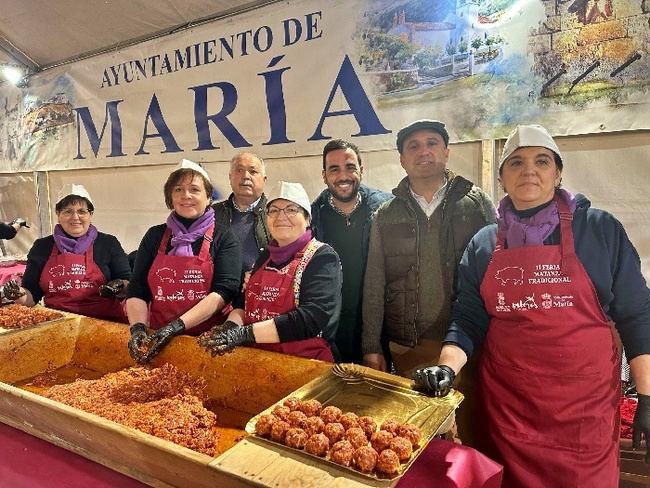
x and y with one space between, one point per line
365 391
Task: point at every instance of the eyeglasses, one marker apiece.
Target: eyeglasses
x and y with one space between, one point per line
82 212
290 211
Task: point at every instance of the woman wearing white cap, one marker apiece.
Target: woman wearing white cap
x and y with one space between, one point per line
544 290
77 269
186 270
292 300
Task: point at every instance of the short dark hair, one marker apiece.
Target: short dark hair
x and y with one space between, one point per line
71 200
181 175
335 144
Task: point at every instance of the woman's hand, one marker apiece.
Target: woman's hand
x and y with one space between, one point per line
160 338
18 223
138 342
143 348
113 288
247 276
12 290
224 338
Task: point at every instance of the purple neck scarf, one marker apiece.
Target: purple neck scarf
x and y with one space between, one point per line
281 255
78 245
533 230
182 238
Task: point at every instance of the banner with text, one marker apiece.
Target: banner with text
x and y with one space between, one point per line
283 79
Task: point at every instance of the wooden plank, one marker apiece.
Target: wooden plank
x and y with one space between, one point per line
28 352
247 380
151 460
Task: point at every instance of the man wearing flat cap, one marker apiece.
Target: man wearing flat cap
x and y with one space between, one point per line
416 242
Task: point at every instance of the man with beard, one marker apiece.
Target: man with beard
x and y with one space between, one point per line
341 217
244 210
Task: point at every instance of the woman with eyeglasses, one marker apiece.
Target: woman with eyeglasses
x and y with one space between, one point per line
548 293
186 270
76 269
292 300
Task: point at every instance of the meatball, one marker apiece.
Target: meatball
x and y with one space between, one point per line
334 432
390 425
264 424
368 425
330 414
388 462
313 425
411 432
349 420
296 418
380 440
342 453
310 407
365 457
281 412
292 403
318 445
296 438
402 447
279 430
356 436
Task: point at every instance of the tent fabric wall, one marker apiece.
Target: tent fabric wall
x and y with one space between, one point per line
611 169
18 199
129 200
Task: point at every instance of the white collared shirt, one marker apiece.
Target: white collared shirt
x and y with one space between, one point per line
430 207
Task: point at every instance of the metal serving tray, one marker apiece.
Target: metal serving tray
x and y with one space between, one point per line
364 391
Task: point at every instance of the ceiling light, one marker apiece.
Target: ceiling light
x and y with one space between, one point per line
13 73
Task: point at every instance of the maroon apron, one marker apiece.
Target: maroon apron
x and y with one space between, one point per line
71 282
177 283
271 292
550 369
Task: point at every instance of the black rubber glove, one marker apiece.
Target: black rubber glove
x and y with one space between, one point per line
160 338
12 291
138 342
436 380
641 424
112 288
20 222
225 337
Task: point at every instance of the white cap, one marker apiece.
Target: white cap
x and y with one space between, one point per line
528 136
72 189
294 192
187 164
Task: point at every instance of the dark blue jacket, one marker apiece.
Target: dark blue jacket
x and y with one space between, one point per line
369 196
603 248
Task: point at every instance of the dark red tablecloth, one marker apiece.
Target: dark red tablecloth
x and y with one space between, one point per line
29 462
14 271
444 464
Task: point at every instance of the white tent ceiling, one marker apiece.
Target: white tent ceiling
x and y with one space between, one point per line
40 34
